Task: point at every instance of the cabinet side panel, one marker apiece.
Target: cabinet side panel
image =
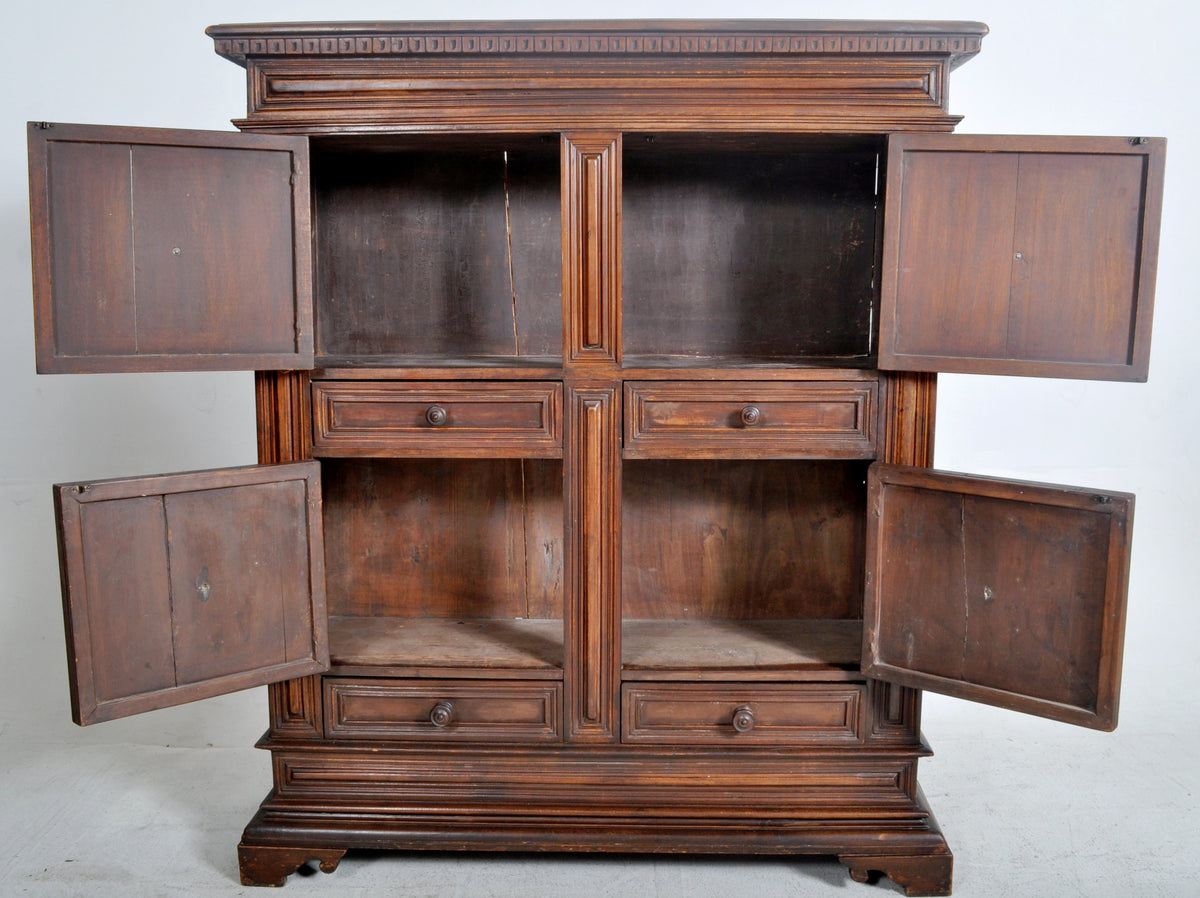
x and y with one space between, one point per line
954 232
239 559
129 606
1086 208
211 272
88 198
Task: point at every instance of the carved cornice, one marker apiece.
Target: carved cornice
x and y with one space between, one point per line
956 40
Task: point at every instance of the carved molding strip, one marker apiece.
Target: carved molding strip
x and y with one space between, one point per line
699 42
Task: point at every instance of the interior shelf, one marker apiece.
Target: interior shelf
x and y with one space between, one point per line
711 649
403 646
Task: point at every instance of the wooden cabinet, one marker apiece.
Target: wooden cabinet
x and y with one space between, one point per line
595 409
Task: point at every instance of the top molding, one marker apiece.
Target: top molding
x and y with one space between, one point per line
956 41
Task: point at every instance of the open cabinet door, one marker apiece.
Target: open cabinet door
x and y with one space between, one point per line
184 586
998 591
163 250
1020 255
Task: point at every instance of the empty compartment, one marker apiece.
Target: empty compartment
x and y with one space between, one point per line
749 248
742 569
445 563
435 251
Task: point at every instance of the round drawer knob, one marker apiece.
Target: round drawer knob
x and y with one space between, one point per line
435 415
442 714
751 415
743 719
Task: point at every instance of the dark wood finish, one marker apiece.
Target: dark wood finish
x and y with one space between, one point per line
538 76
708 649
592 574
1021 255
285 435
1004 592
923 874
742 539
722 245
415 419
389 524
446 254
596 310
741 714
185 586
443 710
430 646
270 865
751 419
591 262
160 250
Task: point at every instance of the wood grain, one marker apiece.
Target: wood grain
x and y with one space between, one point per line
742 539
166 250
444 538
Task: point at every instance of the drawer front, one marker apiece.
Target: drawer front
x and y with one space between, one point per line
686 419
412 418
443 710
735 714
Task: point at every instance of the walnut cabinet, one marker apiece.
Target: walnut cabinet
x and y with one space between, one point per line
596 376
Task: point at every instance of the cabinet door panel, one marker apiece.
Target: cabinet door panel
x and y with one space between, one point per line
1003 592
185 586
159 250
1020 255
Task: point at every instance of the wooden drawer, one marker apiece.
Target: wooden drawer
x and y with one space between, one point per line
443 710
754 419
741 714
449 419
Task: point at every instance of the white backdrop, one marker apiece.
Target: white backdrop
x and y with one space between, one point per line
1048 66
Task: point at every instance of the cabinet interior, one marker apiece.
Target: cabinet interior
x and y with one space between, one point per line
437 249
725 237
741 565
444 562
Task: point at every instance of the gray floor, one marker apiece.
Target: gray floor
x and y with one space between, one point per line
1029 808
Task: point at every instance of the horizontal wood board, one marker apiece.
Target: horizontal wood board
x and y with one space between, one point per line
433 644
709 648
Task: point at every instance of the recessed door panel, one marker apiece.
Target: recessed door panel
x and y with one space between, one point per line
185 586
999 591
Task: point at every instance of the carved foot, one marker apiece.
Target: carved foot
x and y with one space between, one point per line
928 874
268 865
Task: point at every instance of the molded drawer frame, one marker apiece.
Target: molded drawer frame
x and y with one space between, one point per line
450 419
755 419
772 713
467 710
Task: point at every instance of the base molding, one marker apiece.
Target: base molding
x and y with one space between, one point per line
910 851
